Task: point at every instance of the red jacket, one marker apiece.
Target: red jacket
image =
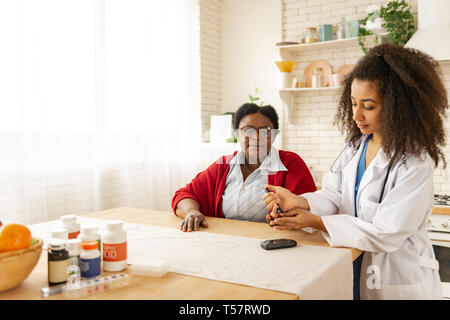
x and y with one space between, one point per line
208 186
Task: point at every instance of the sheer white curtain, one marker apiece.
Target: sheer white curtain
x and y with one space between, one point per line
99 105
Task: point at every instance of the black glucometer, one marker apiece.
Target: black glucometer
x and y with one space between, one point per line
278 244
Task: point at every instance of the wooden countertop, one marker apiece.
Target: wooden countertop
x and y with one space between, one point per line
172 285
441 210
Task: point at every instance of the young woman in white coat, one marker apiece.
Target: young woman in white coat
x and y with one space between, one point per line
378 194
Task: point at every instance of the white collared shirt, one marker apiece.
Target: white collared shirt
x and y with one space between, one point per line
242 200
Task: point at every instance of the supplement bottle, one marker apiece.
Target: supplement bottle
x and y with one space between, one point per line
89 233
58 233
58 261
90 259
74 248
114 247
69 222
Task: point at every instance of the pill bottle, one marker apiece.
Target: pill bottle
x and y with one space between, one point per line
58 261
114 247
89 259
59 233
69 222
89 233
74 248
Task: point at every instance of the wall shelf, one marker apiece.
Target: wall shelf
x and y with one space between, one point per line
294 90
290 52
287 96
287 52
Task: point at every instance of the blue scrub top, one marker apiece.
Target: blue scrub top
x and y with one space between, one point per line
358 262
361 169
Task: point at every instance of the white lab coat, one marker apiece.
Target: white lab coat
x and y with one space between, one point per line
399 261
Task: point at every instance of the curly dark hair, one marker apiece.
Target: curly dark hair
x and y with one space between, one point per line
414 102
249 108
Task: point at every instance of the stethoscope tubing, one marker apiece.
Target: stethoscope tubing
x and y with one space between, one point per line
349 159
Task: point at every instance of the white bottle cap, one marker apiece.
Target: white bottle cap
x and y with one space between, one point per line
57 244
115 225
59 233
92 230
74 244
69 218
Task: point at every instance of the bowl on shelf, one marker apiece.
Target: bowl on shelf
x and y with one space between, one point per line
286 66
16 266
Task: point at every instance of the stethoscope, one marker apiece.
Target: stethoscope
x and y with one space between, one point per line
335 170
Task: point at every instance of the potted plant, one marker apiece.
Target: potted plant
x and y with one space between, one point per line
255 98
395 19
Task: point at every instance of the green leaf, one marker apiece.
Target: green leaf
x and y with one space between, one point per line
399 23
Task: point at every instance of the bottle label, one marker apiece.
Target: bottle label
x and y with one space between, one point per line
57 271
73 235
114 252
90 267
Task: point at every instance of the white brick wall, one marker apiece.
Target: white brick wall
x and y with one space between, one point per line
210 61
312 133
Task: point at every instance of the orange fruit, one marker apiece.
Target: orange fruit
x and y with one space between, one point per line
14 236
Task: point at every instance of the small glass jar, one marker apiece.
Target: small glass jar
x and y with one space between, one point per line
317 78
302 81
311 35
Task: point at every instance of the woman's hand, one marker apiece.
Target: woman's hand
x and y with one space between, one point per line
282 196
297 219
193 220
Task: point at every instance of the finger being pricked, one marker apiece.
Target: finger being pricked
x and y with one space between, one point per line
274 213
281 224
290 213
269 218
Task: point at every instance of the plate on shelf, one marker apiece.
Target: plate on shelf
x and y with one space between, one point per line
286 43
326 68
345 69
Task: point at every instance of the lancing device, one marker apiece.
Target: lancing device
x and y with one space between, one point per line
279 210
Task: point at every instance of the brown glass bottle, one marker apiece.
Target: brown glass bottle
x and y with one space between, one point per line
58 261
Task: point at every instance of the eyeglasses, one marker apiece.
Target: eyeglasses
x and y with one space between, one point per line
264 132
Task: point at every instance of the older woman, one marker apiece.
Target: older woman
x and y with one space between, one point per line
232 187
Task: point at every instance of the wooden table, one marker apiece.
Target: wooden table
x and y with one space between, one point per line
441 210
173 285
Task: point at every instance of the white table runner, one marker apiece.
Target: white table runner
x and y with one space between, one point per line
311 272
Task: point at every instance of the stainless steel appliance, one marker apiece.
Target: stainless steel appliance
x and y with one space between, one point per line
439 229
